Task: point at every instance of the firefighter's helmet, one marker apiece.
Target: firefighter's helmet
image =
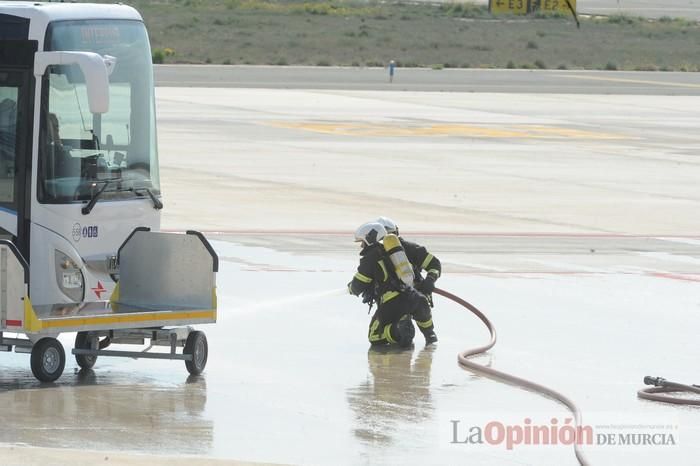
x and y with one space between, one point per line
370 233
388 225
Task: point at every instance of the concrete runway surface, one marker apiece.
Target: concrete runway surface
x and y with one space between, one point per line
648 8
423 79
570 219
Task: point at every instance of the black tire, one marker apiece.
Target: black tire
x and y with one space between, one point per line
83 342
48 359
197 346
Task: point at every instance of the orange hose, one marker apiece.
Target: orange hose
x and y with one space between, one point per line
465 363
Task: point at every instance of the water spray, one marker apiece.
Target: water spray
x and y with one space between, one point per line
277 303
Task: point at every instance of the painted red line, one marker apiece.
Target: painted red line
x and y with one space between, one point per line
272 269
675 276
692 277
13 323
453 272
533 272
348 233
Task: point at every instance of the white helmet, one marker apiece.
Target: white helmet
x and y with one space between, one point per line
370 233
388 225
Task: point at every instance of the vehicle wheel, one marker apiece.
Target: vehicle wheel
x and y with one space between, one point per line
83 342
197 346
48 359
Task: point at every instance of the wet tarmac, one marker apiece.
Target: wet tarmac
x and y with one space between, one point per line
291 379
582 248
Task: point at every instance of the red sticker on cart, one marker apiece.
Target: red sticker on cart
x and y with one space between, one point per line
99 289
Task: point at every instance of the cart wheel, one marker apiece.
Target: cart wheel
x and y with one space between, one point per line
83 342
196 345
48 359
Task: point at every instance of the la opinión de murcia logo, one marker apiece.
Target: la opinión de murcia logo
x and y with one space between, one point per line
556 432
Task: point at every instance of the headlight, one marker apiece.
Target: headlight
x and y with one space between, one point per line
69 277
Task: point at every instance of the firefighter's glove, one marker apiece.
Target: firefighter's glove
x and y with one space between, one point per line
427 286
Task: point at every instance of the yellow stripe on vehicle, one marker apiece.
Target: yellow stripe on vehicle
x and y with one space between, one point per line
31 323
115 294
363 278
126 319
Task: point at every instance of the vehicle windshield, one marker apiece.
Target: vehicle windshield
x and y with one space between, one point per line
79 150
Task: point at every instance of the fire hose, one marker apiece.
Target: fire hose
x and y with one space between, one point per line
662 386
466 364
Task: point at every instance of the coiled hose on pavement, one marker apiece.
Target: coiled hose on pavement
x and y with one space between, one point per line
465 363
662 386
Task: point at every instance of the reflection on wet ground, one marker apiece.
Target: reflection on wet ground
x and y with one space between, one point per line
93 410
397 390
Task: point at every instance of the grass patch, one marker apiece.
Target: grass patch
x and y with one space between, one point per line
541 14
337 8
625 19
464 10
370 32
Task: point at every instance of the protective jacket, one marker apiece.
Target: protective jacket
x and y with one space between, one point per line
375 276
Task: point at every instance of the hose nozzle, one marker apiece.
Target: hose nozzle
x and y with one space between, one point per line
657 381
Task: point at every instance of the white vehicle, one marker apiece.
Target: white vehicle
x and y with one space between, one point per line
78 162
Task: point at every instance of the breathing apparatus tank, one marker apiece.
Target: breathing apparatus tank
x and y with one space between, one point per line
397 255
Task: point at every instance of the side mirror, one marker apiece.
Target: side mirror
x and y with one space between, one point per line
95 68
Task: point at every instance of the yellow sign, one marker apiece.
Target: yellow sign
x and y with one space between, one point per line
553 5
514 7
523 7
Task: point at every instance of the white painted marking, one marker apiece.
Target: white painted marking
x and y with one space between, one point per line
671 257
691 241
475 265
567 266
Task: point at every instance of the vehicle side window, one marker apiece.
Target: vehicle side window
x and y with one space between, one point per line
8 142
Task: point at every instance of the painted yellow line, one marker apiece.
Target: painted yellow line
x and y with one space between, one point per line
558 132
633 81
125 319
343 128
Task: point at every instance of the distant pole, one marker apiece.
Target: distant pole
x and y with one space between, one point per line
392 66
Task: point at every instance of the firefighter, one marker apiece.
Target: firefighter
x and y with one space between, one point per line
376 281
421 260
